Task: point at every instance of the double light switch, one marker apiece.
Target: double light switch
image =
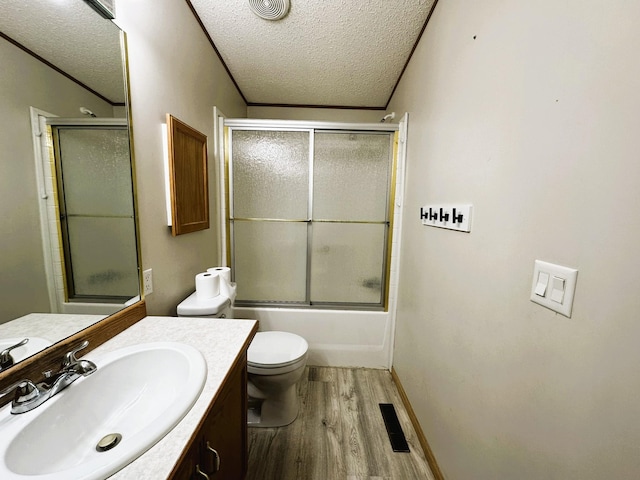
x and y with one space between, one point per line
554 286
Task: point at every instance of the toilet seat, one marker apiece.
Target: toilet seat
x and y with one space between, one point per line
274 350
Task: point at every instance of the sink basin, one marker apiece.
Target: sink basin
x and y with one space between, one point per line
139 392
34 345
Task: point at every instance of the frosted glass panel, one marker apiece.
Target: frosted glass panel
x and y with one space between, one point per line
96 171
343 260
351 176
346 262
103 256
270 174
270 261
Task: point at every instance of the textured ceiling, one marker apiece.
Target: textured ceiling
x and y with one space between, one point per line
324 52
71 36
344 53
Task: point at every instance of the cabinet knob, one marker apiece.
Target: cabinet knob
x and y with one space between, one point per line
201 473
216 459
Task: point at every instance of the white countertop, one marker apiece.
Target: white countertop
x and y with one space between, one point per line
219 340
50 326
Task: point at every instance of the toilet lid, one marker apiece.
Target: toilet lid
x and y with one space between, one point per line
276 349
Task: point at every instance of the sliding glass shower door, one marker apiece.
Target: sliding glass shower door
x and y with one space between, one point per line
309 216
350 213
95 198
271 173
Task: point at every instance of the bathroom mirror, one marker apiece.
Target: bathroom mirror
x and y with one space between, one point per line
62 60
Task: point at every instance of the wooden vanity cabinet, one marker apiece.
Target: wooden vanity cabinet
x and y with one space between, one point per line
219 448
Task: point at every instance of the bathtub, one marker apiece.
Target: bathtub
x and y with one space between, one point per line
337 338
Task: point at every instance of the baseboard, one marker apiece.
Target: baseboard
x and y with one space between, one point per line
431 459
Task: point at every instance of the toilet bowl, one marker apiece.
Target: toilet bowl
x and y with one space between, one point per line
275 363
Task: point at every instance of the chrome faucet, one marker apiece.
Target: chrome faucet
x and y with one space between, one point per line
6 360
29 395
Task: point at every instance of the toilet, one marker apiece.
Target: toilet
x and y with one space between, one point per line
275 363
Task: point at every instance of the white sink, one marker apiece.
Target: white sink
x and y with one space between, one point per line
33 346
139 392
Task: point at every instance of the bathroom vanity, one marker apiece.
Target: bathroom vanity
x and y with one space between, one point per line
208 441
215 429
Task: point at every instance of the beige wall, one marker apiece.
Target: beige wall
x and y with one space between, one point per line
26 82
173 69
317 114
529 111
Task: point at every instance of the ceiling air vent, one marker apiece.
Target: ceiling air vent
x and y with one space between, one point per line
270 9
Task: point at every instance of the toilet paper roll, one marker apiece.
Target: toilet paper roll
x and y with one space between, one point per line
207 285
224 272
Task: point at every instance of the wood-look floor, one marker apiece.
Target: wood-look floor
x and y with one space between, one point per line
339 433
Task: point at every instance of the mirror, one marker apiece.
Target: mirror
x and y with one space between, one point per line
62 60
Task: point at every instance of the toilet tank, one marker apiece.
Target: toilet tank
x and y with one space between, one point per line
216 307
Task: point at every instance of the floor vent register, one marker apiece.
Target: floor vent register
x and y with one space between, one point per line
394 429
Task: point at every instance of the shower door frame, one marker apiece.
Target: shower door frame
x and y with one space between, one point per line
55 125
312 127
50 223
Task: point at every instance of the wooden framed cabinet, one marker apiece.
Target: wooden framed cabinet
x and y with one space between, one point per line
218 449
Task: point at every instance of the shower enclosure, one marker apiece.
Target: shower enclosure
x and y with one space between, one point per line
360 266
92 234
94 183
310 213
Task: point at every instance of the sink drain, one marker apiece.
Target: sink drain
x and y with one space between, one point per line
108 442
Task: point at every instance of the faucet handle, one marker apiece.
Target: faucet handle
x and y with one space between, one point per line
70 357
82 367
25 391
6 360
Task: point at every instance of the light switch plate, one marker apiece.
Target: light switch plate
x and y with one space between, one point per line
569 275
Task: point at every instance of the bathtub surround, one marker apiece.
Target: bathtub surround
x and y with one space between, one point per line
336 337
349 337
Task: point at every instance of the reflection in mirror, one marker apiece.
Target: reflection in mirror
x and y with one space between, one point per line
95 204
68 240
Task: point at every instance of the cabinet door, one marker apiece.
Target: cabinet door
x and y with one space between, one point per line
187 467
225 430
219 448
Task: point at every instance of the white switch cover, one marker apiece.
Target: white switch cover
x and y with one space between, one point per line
558 295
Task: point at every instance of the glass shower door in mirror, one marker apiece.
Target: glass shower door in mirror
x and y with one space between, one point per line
97 226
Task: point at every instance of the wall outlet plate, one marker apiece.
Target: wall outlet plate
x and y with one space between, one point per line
554 286
147 281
